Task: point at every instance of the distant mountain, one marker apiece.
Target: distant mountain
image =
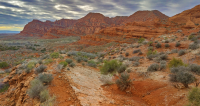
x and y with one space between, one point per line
7 31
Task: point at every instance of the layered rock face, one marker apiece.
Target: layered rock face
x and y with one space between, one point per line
188 18
91 23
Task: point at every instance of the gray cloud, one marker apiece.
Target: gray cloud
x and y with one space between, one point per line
21 12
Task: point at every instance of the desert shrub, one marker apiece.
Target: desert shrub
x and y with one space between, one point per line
195 68
174 51
140 40
177 44
4 64
135 58
60 67
167 45
122 68
123 82
48 61
4 87
35 89
54 55
151 52
150 43
151 56
158 45
136 51
185 78
136 63
69 61
83 64
153 67
150 48
163 65
72 64
175 63
163 57
45 78
44 95
78 59
31 65
40 69
92 64
181 74
181 52
106 79
193 46
194 97
7 70
110 66
40 62
156 41
127 54
166 41
64 63
191 37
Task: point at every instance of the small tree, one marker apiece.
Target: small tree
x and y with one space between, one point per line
124 82
110 66
185 78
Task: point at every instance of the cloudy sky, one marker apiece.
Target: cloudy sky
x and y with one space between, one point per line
14 14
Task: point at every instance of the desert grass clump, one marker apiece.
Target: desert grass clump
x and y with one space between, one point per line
35 89
40 69
175 63
181 52
54 55
4 64
194 97
31 65
153 67
4 87
123 82
106 79
69 61
140 40
110 66
92 64
48 61
45 78
44 95
64 63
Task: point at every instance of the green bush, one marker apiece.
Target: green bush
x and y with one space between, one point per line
44 95
110 66
64 63
4 65
69 61
45 78
150 43
124 82
48 61
175 63
35 89
31 65
153 67
92 64
54 55
194 97
140 40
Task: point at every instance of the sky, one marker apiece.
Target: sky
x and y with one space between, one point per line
14 14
